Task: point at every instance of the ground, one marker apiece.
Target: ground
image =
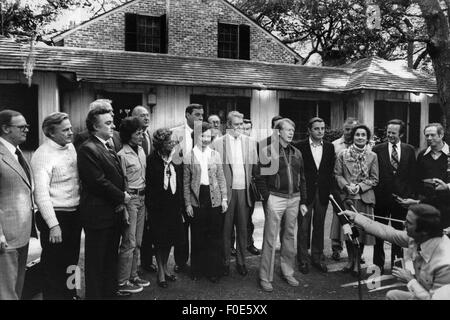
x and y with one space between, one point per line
333 285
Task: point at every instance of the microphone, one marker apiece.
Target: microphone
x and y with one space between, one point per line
343 220
346 224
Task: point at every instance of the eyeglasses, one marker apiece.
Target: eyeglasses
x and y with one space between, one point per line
21 128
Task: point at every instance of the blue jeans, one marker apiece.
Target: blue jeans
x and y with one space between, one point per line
131 242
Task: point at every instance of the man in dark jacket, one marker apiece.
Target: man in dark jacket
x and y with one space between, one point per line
102 203
397 178
318 156
281 182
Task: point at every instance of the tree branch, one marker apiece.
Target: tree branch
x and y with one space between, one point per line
420 58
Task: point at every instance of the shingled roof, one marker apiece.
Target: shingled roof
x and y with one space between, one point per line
92 65
379 74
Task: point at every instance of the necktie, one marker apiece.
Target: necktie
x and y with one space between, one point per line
23 163
112 153
394 157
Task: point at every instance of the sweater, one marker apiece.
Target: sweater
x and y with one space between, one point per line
56 180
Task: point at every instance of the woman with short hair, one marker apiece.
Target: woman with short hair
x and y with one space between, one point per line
164 194
356 172
205 196
133 163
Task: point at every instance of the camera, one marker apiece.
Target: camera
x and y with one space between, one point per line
399 263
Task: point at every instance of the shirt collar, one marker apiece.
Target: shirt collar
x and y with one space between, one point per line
101 140
445 149
312 143
397 144
233 138
188 129
197 150
427 248
127 149
9 146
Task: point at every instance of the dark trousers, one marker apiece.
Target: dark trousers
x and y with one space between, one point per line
181 251
250 229
316 212
101 252
147 248
57 257
206 237
393 210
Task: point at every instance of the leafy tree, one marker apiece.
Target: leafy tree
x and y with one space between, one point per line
30 19
336 30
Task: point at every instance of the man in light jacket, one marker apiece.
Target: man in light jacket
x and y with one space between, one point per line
428 249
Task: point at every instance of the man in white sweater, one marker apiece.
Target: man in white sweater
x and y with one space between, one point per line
57 196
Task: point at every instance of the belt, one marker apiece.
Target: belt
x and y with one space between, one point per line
139 192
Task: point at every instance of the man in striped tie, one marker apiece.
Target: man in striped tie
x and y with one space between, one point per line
397 167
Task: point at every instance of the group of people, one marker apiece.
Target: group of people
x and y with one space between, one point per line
136 195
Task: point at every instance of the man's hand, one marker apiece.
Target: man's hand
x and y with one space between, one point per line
127 198
303 209
350 214
224 205
405 203
3 243
402 274
55 234
190 211
440 185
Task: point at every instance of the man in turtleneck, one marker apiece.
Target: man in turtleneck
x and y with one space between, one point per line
57 195
432 173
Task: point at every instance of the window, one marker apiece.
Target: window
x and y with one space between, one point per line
145 33
300 111
435 113
122 103
24 99
409 112
233 41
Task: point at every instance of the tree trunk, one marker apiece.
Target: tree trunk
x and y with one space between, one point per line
439 50
441 65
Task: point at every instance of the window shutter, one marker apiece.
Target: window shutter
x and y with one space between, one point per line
244 42
163 34
130 32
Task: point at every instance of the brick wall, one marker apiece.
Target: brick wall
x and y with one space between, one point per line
192 29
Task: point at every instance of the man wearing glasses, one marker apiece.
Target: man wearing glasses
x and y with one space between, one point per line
16 205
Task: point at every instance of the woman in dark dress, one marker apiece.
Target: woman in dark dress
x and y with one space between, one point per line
164 193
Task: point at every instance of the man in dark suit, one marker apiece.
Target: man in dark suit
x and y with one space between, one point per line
397 177
102 204
319 157
99 104
183 136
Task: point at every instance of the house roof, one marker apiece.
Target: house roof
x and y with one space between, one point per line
92 65
65 33
379 74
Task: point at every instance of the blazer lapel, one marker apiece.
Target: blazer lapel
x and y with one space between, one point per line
385 155
309 156
109 156
227 151
403 156
9 159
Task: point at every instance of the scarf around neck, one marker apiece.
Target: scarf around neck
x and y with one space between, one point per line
170 175
357 158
